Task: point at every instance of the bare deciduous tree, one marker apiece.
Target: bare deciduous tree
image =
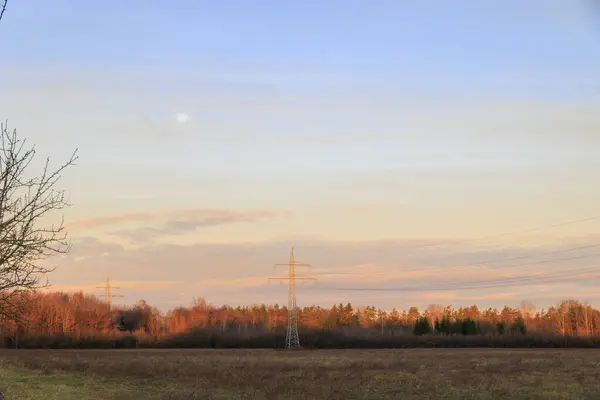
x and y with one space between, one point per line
527 309
25 202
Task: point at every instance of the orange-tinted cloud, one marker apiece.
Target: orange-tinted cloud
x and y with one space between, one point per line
185 221
172 222
88 223
450 296
237 283
238 273
126 285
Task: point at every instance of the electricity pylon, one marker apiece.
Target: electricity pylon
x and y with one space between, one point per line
292 340
107 295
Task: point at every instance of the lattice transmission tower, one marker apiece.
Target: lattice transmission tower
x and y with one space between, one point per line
292 340
107 295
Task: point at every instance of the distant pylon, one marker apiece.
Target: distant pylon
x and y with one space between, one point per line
107 295
292 340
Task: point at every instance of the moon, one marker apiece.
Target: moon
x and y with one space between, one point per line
182 118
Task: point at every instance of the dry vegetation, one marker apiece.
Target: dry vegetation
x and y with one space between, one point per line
61 320
326 374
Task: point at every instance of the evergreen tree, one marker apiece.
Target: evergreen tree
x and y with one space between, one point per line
519 326
469 327
456 327
422 326
446 325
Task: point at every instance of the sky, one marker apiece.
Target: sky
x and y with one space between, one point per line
394 144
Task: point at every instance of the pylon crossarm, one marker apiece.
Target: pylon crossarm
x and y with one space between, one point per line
299 278
295 264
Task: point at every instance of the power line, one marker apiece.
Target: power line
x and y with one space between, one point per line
531 255
563 277
107 294
292 339
548 261
539 228
479 263
511 233
522 279
525 279
514 281
573 276
507 281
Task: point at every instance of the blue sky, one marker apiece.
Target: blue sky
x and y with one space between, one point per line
340 121
498 48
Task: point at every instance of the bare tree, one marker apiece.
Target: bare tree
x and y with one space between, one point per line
434 312
527 309
25 202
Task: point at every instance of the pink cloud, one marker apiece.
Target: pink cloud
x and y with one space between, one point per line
247 282
453 296
89 223
97 287
178 219
185 221
238 272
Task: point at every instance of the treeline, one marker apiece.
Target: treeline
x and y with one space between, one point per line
62 320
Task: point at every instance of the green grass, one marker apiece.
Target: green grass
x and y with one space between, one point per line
24 384
328 374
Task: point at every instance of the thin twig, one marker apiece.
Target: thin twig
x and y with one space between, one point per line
25 200
3 9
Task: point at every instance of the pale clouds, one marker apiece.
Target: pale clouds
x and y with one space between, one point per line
172 223
130 286
443 162
405 275
254 116
188 221
87 223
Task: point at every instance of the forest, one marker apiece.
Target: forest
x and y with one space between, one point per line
40 319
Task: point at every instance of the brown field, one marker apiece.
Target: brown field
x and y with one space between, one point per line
321 374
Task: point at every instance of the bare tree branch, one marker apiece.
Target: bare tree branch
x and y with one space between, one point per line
25 203
3 9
